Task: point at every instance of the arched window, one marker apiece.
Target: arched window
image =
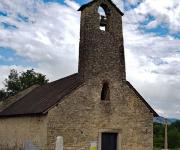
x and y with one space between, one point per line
103 18
105 92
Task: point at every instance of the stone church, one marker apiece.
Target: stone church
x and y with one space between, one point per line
94 106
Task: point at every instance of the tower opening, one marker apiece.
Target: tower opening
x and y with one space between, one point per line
105 92
103 18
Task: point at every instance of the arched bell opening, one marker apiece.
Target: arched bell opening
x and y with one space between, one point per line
103 13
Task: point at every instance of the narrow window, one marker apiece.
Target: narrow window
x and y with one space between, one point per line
105 92
103 19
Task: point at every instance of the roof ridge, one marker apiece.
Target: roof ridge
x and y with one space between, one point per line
65 77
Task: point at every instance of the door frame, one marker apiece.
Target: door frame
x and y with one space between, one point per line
119 137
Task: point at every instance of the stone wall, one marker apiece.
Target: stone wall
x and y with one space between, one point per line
82 115
101 51
16 131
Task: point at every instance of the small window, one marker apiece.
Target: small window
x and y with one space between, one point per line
103 19
105 92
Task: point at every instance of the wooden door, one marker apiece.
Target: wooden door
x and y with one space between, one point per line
109 141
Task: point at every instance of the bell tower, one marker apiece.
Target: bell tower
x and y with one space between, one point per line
101 49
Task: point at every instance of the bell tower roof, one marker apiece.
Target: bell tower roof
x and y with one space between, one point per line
101 1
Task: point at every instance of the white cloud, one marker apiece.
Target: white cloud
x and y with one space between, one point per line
72 4
152 61
164 11
152 24
50 38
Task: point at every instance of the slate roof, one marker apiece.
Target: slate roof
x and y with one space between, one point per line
42 98
90 3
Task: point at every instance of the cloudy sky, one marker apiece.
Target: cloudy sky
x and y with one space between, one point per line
44 35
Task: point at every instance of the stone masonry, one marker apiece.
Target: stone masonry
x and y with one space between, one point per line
16 131
81 116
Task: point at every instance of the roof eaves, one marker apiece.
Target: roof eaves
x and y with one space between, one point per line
86 5
77 82
23 115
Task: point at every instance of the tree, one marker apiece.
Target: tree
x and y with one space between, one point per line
17 82
177 125
173 135
3 94
30 78
158 135
173 138
12 83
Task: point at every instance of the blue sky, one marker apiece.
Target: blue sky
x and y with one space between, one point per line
9 57
44 35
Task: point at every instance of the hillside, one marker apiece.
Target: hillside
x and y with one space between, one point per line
161 120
